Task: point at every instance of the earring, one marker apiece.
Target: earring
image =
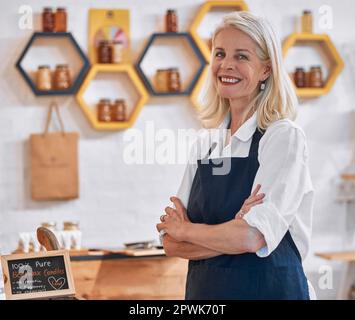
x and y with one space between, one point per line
262 86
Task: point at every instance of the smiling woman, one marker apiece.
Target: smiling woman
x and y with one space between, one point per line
245 231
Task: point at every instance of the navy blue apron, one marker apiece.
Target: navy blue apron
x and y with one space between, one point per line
215 199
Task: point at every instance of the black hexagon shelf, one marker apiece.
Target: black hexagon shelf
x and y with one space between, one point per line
170 39
56 40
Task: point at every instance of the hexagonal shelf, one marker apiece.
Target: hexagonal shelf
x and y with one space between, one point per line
326 47
205 9
196 92
173 47
60 44
108 79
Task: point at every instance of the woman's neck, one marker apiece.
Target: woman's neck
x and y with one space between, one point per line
240 113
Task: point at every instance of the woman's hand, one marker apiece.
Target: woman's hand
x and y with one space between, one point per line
253 200
175 221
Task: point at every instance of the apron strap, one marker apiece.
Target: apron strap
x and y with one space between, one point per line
254 147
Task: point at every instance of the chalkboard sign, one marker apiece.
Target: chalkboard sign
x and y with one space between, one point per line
37 275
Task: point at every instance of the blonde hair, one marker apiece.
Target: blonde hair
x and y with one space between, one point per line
278 100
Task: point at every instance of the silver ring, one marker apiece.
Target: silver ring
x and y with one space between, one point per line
162 232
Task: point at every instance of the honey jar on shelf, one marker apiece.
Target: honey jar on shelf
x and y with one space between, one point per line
161 80
61 79
300 78
104 52
48 20
174 84
307 21
119 110
44 78
315 77
104 110
61 20
171 21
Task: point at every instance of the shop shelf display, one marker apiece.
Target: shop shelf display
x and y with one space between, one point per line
53 48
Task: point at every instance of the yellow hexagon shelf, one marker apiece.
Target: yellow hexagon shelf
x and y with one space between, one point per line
325 44
196 92
131 77
238 5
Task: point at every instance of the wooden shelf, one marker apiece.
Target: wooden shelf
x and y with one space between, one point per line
339 256
237 5
327 47
181 37
134 81
195 95
56 36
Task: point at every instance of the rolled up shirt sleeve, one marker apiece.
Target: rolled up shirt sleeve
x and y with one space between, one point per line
284 178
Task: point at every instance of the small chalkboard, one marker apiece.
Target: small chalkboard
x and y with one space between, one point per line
37 275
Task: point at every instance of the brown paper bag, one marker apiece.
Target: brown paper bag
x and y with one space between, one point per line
54 163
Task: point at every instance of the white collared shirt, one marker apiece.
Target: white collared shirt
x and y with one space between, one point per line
283 175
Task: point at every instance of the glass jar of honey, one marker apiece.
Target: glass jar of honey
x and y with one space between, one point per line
307 21
171 21
105 52
161 80
315 77
300 78
61 20
174 84
44 78
104 110
118 110
48 20
61 79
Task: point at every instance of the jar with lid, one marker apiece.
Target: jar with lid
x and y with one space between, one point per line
44 78
307 21
161 80
104 53
174 84
104 110
315 77
117 47
61 79
71 225
118 111
61 20
48 20
171 21
51 225
300 78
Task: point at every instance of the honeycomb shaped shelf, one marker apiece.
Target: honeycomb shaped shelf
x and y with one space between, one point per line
323 43
171 50
120 78
196 92
49 48
203 11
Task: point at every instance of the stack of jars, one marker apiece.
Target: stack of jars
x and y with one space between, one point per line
311 79
110 51
54 21
111 112
60 80
168 80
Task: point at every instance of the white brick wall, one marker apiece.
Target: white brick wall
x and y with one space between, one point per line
120 203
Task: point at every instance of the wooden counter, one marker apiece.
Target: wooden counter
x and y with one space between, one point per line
118 276
347 283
